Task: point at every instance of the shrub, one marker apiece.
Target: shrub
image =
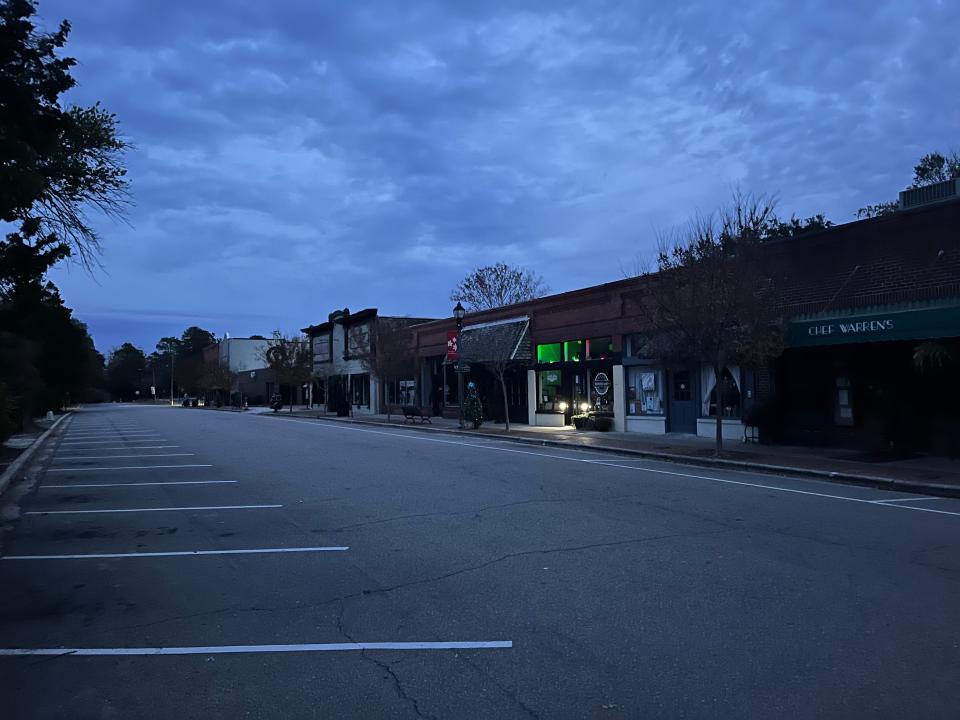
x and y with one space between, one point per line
603 423
7 413
582 422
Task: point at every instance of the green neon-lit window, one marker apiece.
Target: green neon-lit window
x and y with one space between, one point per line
573 350
550 353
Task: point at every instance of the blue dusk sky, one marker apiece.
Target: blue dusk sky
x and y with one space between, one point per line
293 157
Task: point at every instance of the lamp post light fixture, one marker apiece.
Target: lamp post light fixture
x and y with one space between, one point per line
458 315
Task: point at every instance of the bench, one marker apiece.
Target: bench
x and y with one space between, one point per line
412 413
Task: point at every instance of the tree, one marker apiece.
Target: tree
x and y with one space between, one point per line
493 286
934 168
931 169
712 297
776 228
55 162
193 341
495 346
289 358
218 379
125 372
390 357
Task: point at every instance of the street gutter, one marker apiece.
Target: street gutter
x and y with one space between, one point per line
884 483
17 465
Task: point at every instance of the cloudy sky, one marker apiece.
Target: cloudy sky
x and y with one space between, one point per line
296 156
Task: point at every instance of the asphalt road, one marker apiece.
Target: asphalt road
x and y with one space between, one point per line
510 581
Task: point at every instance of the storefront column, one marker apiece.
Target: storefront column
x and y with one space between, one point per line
532 397
619 400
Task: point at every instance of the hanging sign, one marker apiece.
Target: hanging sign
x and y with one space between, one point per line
453 351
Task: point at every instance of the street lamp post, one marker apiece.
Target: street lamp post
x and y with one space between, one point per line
458 314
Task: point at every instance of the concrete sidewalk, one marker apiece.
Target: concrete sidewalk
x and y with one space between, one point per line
907 472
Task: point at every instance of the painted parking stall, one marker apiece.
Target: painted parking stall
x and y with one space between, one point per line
140 505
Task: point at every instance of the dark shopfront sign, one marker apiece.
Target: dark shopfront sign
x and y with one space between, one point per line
913 324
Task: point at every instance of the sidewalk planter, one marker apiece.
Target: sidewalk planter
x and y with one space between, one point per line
603 423
582 422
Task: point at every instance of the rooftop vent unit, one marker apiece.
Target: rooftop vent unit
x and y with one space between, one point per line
929 194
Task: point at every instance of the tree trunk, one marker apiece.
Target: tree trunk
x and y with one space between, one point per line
718 370
506 410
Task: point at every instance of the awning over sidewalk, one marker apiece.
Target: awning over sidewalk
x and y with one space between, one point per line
899 322
500 340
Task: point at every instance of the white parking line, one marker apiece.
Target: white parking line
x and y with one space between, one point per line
113 457
178 553
332 426
230 649
108 434
125 467
161 509
125 447
164 482
114 440
914 499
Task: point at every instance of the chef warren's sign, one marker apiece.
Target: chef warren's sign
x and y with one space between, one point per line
912 324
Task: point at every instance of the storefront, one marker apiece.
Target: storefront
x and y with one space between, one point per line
859 380
574 376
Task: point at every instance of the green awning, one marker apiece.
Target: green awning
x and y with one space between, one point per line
876 325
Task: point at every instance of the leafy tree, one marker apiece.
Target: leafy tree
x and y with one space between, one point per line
777 228
289 358
932 168
219 380
494 286
125 372
47 357
193 341
712 298
56 162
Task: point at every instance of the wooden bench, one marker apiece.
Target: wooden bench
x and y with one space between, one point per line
413 413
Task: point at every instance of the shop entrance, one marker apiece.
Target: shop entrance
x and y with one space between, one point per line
682 403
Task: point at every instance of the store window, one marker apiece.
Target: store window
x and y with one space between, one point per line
721 397
549 382
644 391
573 351
360 390
599 348
551 353
402 392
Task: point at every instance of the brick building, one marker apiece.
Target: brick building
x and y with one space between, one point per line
860 298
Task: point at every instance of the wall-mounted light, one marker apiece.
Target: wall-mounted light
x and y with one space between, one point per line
584 407
563 407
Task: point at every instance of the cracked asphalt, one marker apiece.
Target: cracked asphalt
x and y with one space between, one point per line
628 588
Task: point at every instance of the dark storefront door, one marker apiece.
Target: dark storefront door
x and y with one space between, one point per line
682 408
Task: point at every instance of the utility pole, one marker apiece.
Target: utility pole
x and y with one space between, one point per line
173 361
458 315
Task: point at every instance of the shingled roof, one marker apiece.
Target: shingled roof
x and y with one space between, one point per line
497 340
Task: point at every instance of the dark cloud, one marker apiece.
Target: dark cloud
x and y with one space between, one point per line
293 157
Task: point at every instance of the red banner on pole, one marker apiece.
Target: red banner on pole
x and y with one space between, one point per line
453 352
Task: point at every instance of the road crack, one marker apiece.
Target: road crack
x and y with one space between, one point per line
384 666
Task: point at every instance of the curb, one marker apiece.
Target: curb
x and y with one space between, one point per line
24 457
885 483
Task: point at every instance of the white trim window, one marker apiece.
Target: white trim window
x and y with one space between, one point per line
644 390
731 401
